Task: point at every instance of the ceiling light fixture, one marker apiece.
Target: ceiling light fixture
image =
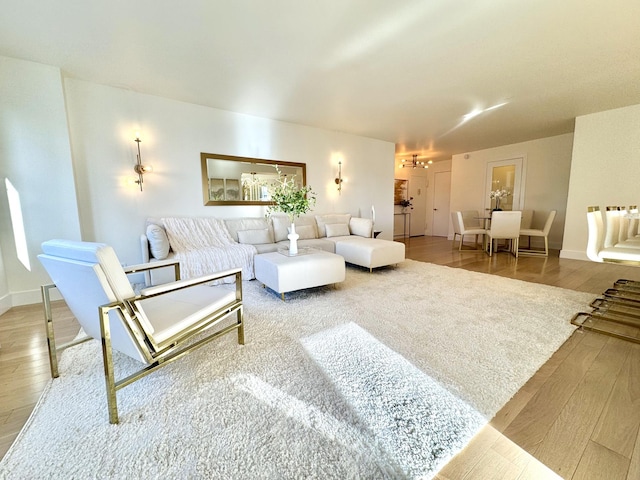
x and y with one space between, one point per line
414 162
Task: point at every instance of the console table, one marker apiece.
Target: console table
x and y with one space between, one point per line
406 219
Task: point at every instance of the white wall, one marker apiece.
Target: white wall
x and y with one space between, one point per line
112 209
605 170
35 156
548 163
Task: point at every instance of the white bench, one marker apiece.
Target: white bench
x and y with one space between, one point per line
282 273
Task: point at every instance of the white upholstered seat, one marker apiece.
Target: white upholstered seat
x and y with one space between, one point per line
152 327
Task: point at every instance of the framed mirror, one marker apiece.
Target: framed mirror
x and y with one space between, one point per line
229 180
400 191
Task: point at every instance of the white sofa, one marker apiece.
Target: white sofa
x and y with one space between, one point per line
207 244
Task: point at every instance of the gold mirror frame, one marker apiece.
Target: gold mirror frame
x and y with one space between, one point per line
230 180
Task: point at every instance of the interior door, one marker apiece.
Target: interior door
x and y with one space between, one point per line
441 198
418 196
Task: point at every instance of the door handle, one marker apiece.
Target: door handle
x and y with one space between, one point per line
435 209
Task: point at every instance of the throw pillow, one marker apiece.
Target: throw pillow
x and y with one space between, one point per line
255 237
360 226
323 220
337 230
158 241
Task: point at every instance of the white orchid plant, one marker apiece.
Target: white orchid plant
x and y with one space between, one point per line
500 193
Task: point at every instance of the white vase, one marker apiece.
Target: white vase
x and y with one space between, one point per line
293 240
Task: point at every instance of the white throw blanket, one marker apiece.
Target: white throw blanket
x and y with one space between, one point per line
204 245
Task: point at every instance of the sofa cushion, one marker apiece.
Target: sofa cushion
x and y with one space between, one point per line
267 247
323 220
255 236
281 225
361 226
158 241
337 230
306 232
234 225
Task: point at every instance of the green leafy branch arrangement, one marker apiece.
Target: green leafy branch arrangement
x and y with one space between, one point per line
289 198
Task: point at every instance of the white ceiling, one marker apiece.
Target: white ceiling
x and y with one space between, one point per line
401 71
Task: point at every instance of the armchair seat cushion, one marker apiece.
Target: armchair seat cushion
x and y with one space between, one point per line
190 306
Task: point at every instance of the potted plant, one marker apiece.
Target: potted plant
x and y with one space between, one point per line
497 195
405 204
292 199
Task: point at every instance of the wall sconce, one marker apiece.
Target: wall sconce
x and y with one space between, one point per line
339 178
414 163
139 168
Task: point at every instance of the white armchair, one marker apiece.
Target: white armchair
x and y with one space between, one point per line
155 327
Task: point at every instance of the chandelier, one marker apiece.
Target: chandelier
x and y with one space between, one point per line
414 163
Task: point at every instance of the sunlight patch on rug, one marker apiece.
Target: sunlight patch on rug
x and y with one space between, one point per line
313 418
415 420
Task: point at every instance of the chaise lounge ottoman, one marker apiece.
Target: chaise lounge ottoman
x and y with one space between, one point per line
282 273
369 252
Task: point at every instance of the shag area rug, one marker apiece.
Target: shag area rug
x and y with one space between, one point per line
388 375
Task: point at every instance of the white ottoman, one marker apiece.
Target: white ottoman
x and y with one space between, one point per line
285 274
370 252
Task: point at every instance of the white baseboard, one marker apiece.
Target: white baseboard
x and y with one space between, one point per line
5 303
574 255
29 297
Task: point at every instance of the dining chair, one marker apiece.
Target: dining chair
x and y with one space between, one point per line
612 228
473 229
633 221
539 232
527 219
620 216
596 249
471 219
505 225
154 327
457 230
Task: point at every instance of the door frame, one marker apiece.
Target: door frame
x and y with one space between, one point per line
519 181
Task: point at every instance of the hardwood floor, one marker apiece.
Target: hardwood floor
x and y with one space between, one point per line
578 416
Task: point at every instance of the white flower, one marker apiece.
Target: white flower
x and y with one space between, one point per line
500 193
